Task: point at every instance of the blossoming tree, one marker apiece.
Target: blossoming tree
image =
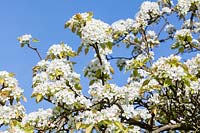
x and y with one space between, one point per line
160 95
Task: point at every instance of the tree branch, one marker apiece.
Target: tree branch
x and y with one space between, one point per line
35 49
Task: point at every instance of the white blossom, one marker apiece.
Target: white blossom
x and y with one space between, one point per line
40 119
96 32
148 10
25 38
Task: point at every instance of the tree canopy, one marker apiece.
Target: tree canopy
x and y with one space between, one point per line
160 94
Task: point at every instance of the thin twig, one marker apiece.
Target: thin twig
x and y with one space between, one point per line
35 49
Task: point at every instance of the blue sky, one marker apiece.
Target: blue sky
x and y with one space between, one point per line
45 19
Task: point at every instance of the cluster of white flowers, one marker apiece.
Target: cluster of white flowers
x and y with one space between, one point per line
152 38
183 33
184 6
55 80
9 87
25 39
112 92
79 19
183 37
99 92
96 32
68 99
57 72
139 61
14 129
113 128
170 29
40 119
166 10
131 91
168 67
194 65
122 26
94 69
130 112
154 99
9 113
197 27
59 50
195 86
92 117
148 11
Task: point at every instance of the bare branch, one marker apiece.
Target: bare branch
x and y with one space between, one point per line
35 49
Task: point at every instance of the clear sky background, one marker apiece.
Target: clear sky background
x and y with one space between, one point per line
45 19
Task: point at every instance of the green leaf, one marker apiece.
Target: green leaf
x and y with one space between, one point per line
146 82
80 49
39 98
78 125
86 73
98 73
23 44
71 54
102 46
119 124
89 128
35 40
111 70
167 82
1 81
78 87
187 83
109 45
181 49
91 82
175 45
86 50
66 25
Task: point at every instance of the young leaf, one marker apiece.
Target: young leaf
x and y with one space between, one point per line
39 98
35 40
89 128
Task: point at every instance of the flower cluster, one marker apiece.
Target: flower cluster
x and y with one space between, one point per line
12 112
15 129
96 32
40 119
195 86
154 99
170 29
184 6
194 65
130 112
112 92
149 11
122 27
183 34
169 67
152 38
139 61
56 81
25 39
68 99
95 69
184 40
78 21
9 88
131 129
166 10
94 117
60 51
